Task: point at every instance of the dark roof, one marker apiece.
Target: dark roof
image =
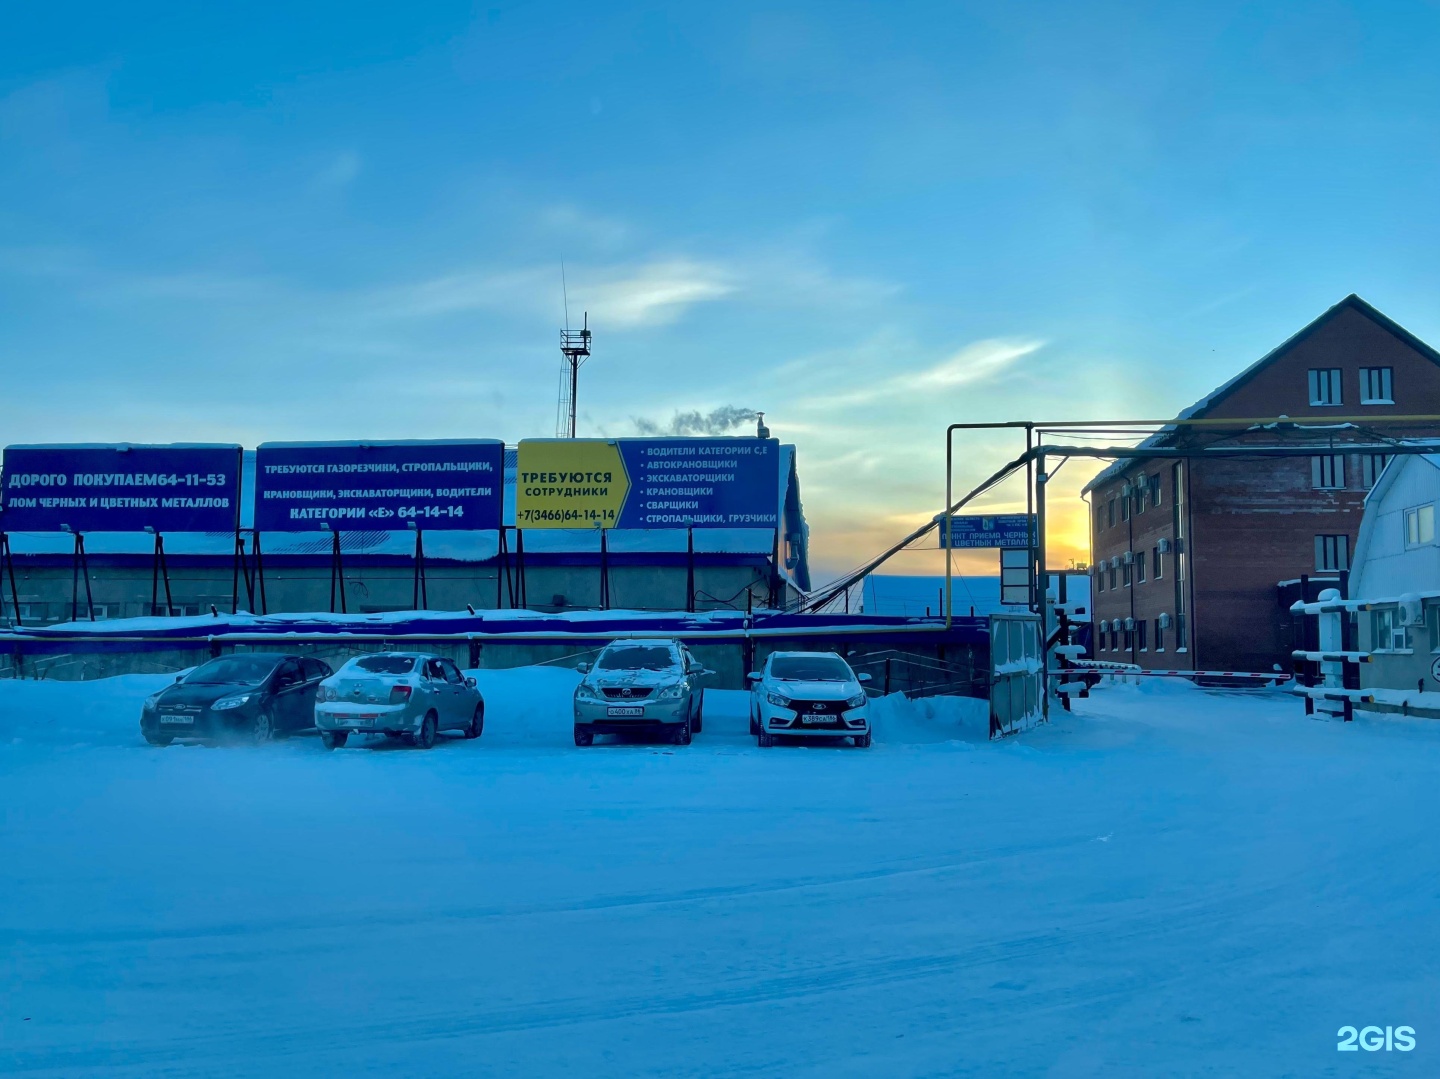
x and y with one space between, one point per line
1215 396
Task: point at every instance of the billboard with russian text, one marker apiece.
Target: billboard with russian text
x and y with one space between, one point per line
455 485
121 488
648 483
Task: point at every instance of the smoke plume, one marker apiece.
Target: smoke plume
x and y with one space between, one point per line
721 421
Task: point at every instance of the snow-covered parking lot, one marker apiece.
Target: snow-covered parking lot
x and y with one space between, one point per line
1169 882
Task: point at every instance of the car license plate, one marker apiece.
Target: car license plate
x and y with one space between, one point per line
177 719
815 719
625 710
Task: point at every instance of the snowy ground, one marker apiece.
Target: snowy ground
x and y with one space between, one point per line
1168 883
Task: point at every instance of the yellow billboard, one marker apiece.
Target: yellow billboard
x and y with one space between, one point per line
569 483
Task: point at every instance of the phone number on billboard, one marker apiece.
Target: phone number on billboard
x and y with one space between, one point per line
430 511
578 516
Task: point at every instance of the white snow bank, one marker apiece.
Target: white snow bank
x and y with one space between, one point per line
106 712
898 720
528 705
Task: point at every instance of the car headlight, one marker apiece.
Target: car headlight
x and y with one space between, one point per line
226 703
857 700
325 693
152 700
779 700
671 693
586 692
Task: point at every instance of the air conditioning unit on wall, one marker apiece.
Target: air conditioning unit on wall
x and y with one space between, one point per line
1129 623
1164 546
1129 557
1115 561
1104 625
1164 621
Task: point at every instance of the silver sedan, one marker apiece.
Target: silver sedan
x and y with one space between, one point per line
409 695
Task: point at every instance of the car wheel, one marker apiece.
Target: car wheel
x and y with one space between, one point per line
862 741
334 739
698 720
765 739
262 728
477 722
681 736
584 737
424 738
159 739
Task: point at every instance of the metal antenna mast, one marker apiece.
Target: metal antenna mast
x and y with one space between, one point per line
575 347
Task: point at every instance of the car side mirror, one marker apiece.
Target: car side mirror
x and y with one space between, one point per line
754 676
862 678
583 668
470 682
179 678
703 671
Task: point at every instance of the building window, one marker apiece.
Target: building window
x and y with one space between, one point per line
1110 507
1159 636
1129 640
1332 553
1124 506
1155 564
1182 635
1327 473
1141 489
1140 635
1113 586
1325 386
1386 632
1100 581
1140 567
1125 574
1375 386
1371 465
1155 489
1420 525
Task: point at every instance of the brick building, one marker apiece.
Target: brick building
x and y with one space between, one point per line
1189 556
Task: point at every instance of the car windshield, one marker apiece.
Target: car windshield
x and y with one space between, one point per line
385 664
637 657
810 669
232 671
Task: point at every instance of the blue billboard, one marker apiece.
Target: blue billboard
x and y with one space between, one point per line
121 488
1003 530
701 483
360 486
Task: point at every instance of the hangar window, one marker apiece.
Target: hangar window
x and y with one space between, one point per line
1420 525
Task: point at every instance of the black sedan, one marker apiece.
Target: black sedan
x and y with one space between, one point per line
252 696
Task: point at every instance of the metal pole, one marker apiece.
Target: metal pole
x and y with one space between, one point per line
1029 511
155 576
85 568
690 569
524 597
259 571
1040 480
604 572
165 573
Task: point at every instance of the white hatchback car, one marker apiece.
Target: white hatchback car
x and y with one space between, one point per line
809 695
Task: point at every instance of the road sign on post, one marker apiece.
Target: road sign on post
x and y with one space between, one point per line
1013 531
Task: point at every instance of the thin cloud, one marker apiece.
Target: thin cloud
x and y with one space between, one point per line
977 363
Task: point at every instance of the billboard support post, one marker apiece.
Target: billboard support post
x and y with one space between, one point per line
337 571
420 596
78 565
775 571
690 569
159 569
523 600
604 571
7 566
502 570
259 570
244 565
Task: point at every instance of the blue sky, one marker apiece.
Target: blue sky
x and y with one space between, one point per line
325 220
